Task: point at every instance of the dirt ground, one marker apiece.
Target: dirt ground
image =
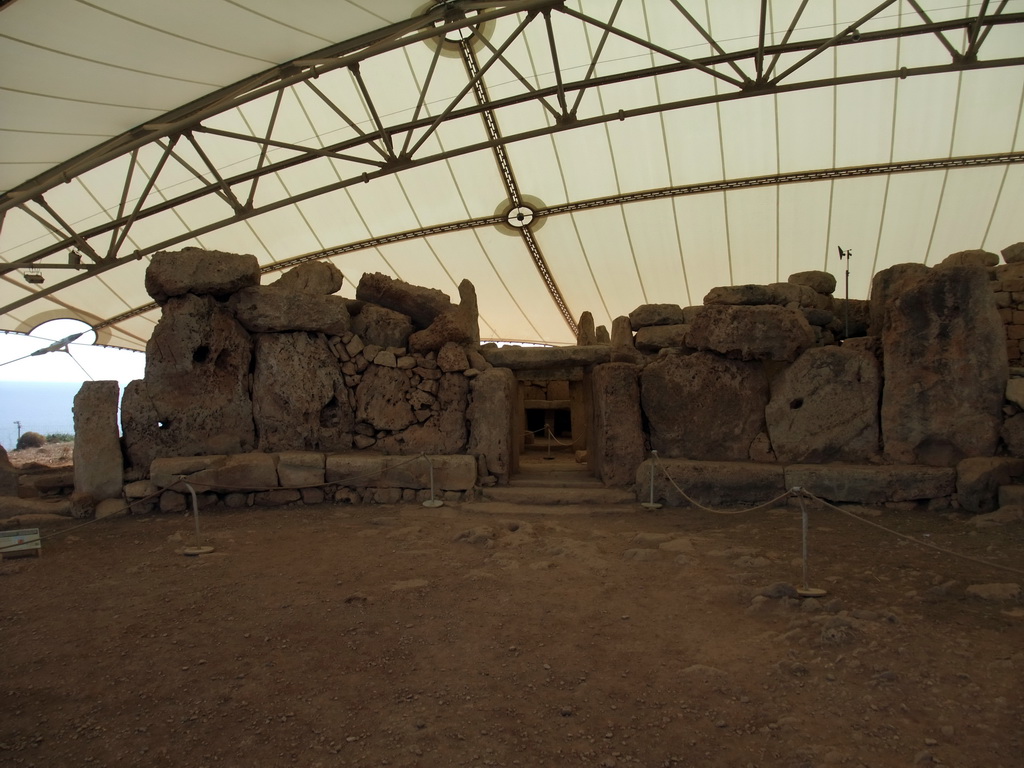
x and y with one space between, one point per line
496 635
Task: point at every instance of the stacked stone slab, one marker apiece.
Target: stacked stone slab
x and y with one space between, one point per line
234 366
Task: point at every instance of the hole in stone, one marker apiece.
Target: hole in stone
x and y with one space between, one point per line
201 355
798 403
163 425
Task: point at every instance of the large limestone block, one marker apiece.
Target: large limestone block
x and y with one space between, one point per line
99 464
653 338
381 399
460 324
529 358
445 431
885 285
745 295
978 480
656 314
1013 254
8 475
615 438
824 407
623 348
971 258
197 381
423 305
765 332
451 473
355 470
299 400
300 469
711 483
270 308
382 327
1012 433
945 369
703 406
863 484
491 435
164 473
240 472
193 270
816 280
320 277
586 330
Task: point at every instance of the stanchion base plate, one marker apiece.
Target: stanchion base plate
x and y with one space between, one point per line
650 505
195 551
432 503
811 592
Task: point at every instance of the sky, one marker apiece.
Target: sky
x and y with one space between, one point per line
82 361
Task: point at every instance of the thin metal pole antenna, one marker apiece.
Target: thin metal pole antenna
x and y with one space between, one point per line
431 502
805 591
846 304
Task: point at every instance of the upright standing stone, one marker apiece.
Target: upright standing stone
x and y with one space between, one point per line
945 368
703 406
8 475
616 438
824 407
298 397
99 465
586 333
491 435
623 348
197 379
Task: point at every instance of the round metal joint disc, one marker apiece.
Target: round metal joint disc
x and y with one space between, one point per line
811 592
432 503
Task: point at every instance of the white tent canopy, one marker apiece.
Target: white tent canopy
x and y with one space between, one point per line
565 156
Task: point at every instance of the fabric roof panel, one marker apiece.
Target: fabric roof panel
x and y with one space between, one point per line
652 232
561 243
703 233
969 194
618 280
803 230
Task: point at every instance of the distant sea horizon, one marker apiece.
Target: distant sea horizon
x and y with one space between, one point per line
41 406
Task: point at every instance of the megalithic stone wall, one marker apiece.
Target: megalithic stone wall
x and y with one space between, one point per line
616 434
99 464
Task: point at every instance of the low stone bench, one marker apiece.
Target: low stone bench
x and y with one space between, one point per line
280 478
733 482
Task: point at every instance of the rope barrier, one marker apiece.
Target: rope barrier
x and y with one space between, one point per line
713 511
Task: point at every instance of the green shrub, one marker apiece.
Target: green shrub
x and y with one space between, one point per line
31 440
60 437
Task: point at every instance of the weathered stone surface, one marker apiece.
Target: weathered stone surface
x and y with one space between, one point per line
193 270
271 308
871 484
623 349
712 483
853 312
452 357
615 438
978 480
655 314
12 506
99 465
586 332
887 284
1013 254
373 470
741 295
443 432
298 396
1012 433
996 592
460 324
653 338
491 435
824 407
821 282
945 369
970 258
240 472
164 473
751 332
702 406
300 469
422 305
196 391
524 358
320 277
382 327
381 399
603 337
8 475
1015 391
276 497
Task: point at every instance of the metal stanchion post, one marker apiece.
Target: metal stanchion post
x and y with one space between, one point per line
431 502
804 590
199 548
652 504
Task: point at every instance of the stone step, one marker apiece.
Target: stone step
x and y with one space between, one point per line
555 479
553 495
560 510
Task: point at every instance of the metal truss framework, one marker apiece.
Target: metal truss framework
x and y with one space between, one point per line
390 146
